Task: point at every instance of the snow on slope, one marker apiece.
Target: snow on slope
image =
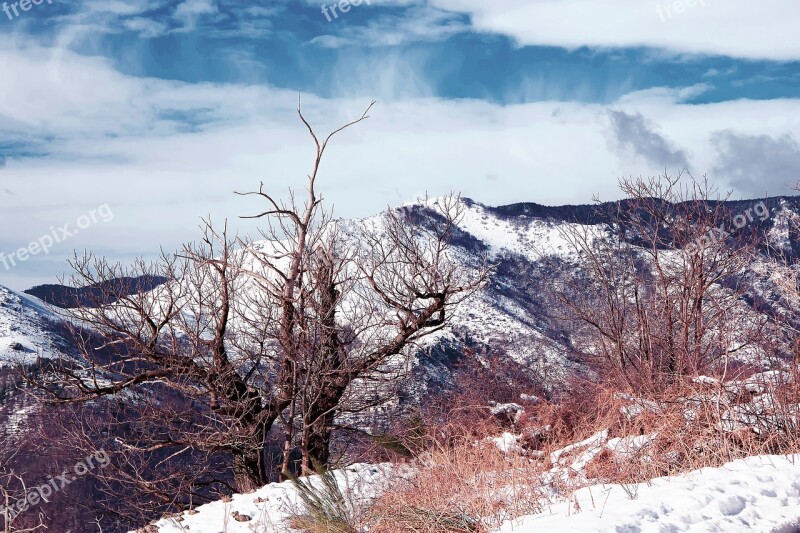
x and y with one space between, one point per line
495 316
532 239
267 509
26 329
532 245
758 494
27 332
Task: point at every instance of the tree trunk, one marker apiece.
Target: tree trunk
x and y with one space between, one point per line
319 423
331 382
317 445
248 469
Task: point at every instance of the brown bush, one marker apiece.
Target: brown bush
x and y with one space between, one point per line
461 482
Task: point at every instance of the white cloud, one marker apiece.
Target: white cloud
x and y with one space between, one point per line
419 23
742 28
163 153
119 7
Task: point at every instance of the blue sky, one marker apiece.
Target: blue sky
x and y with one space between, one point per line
162 109
292 45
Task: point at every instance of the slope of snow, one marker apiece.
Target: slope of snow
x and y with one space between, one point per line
493 318
267 509
760 494
531 238
25 329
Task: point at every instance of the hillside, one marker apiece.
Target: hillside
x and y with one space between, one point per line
517 316
514 318
29 329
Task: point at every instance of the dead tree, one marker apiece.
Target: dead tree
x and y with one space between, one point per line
351 299
371 307
660 295
173 382
181 385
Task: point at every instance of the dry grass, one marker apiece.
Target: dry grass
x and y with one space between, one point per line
460 484
689 426
327 507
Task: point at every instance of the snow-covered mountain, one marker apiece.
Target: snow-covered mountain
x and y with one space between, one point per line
512 316
515 315
29 329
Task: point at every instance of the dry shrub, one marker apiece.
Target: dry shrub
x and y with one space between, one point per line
463 483
687 426
603 466
460 484
577 414
326 506
478 380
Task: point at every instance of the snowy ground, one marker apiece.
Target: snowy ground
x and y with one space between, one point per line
759 494
267 509
24 333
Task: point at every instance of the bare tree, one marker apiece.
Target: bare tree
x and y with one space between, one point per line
352 299
661 297
171 382
182 385
399 286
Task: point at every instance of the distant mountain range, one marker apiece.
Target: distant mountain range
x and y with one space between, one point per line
512 316
515 315
94 295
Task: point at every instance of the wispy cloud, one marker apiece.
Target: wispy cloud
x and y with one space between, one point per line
146 28
189 11
119 7
417 23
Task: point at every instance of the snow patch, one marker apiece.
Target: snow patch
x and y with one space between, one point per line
755 494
